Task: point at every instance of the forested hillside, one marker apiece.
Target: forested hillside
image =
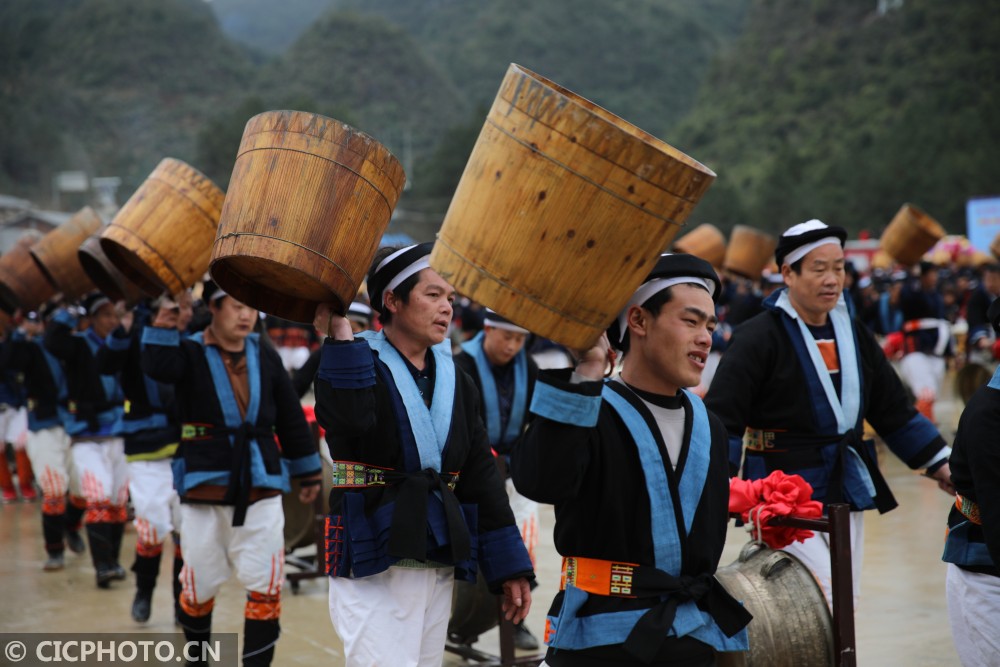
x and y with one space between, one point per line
825 108
828 109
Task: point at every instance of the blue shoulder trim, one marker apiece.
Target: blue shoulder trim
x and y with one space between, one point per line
160 336
565 407
347 366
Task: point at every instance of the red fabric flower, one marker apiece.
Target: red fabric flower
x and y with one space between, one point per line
778 494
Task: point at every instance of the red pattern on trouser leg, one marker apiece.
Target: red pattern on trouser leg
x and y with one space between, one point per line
263 607
189 596
105 513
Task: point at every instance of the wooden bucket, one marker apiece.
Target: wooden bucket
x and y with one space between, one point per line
910 234
22 283
791 623
56 253
562 210
162 238
308 202
106 275
705 241
750 251
995 246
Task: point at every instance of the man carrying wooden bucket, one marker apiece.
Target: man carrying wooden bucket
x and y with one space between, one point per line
801 378
417 498
638 472
234 400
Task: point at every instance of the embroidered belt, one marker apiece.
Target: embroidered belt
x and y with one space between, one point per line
599 577
969 509
617 579
354 475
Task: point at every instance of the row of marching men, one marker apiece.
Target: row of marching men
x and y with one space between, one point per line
106 390
401 530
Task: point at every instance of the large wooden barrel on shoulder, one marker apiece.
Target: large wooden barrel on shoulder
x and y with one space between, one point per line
705 241
57 253
910 234
791 625
308 202
106 275
161 239
22 282
749 252
562 210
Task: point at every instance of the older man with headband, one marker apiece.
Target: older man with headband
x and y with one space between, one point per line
799 380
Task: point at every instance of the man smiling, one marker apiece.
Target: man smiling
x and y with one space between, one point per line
637 470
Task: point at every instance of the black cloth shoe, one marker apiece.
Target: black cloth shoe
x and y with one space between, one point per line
105 575
74 542
118 572
142 606
523 639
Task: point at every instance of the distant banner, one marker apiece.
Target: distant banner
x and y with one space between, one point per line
982 221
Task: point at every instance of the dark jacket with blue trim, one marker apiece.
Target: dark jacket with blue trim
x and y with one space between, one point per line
467 363
207 456
594 477
44 379
364 416
763 384
94 401
149 424
975 472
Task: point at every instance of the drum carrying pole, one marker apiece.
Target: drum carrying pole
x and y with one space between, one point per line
838 524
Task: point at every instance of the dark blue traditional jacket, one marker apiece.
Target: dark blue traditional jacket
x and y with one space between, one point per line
773 381
44 379
411 482
148 422
219 446
95 401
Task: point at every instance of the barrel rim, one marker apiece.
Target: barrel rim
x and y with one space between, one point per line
613 120
397 175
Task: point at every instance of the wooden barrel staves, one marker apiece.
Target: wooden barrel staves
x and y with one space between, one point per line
562 210
308 202
56 253
910 234
22 283
705 241
749 252
161 239
104 274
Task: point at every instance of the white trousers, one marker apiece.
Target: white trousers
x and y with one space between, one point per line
214 549
48 450
924 374
103 471
398 617
815 554
974 612
14 426
526 516
157 507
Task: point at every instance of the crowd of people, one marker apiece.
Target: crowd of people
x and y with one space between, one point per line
446 424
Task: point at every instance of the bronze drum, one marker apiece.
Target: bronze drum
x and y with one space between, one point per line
791 625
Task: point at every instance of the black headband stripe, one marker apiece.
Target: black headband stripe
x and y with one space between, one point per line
787 244
380 279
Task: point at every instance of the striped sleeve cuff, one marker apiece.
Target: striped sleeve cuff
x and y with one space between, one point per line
160 336
347 365
566 406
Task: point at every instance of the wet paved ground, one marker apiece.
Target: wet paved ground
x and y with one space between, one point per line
902 619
